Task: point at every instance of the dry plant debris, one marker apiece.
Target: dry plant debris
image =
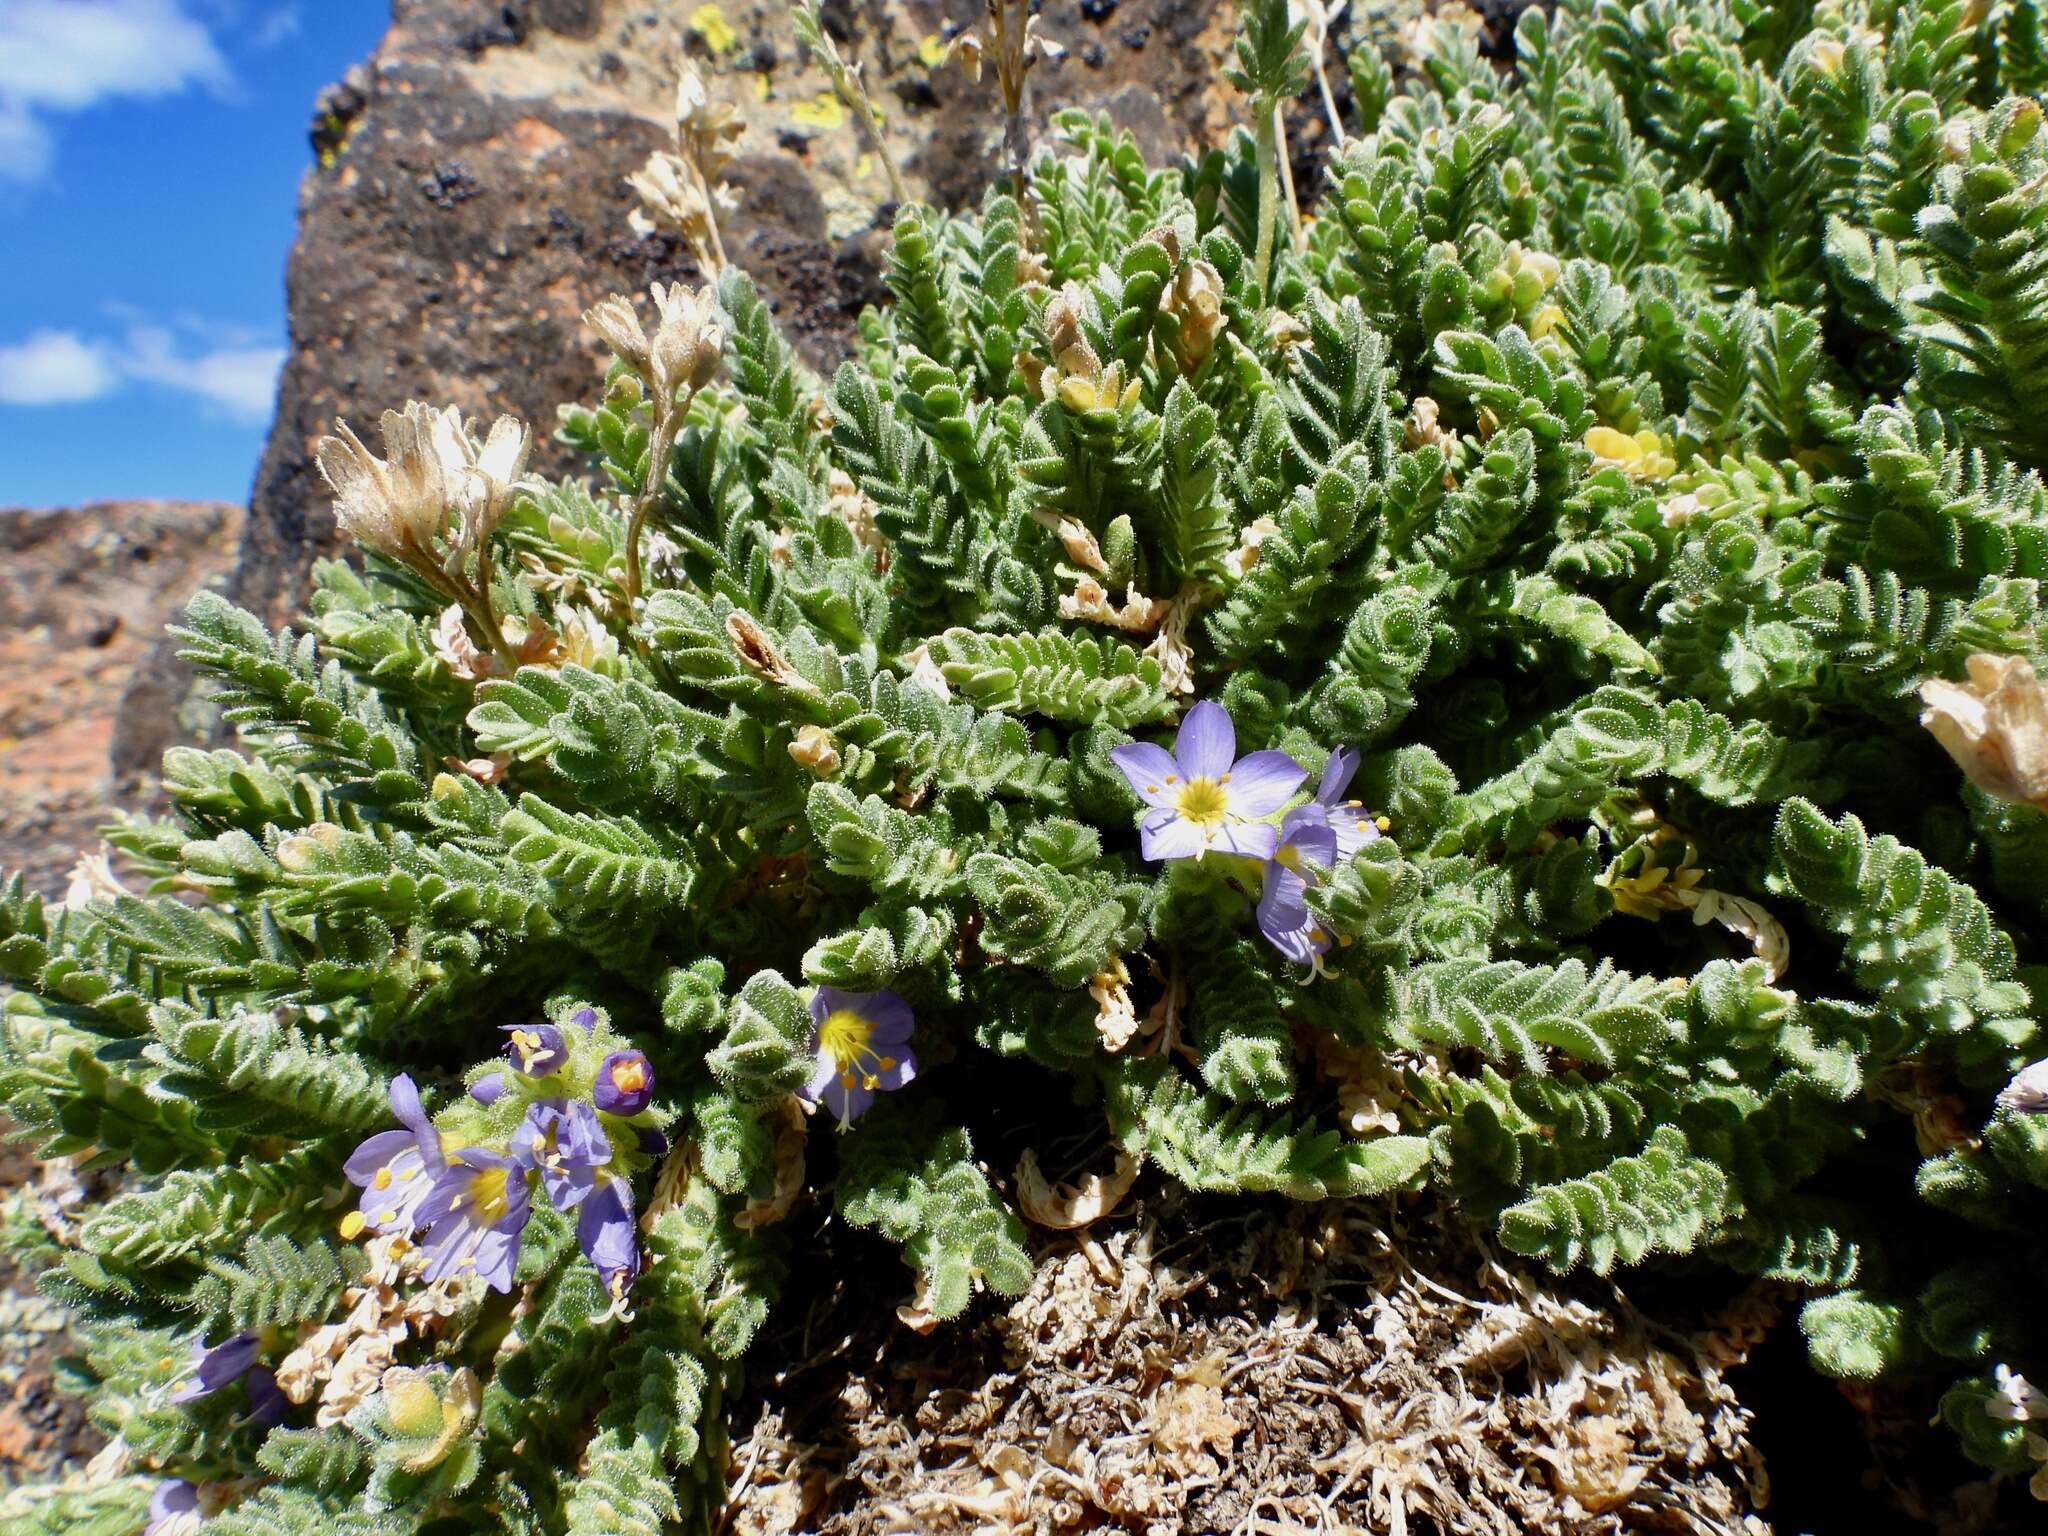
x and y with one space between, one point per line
1334 1369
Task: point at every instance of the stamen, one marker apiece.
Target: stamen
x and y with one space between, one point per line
352 1225
383 1178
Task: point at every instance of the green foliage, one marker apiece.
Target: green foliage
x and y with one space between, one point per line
920 1187
1634 431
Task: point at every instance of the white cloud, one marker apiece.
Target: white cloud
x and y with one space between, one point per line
55 368
237 380
60 56
229 377
275 26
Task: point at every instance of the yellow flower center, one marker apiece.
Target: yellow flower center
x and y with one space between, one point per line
844 1036
1287 856
487 1197
1204 802
629 1076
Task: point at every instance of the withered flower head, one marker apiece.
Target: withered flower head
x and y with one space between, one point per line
704 129
482 476
397 503
1063 331
687 342
618 327
1995 725
1167 239
1196 301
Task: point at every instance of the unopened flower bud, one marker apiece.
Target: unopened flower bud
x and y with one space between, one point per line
815 749
625 1084
298 851
1063 322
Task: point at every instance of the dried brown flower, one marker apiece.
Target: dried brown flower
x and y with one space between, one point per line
1995 726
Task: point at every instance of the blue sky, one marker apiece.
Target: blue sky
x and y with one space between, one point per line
150 155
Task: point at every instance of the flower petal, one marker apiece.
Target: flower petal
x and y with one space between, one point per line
846 1103
826 1075
1253 839
1337 772
1164 835
1207 742
1260 784
375 1153
891 1017
405 1102
1316 842
1354 830
889 1079
604 1228
1148 767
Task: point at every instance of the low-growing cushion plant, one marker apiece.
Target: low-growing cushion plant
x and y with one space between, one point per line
1432 693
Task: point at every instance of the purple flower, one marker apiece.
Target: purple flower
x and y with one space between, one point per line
173 1509
476 1211
214 1368
537 1050
566 1143
863 1048
1203 796
606 1234
625 1084
1346 818
267 1401
652 1142
395 1168
487 1091
1284 917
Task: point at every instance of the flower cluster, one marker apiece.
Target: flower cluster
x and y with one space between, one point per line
684 190
433 502
474 1199
1203 798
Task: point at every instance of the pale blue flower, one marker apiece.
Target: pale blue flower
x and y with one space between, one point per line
1307 848
475 1214
395 1169
1202 797
1346 818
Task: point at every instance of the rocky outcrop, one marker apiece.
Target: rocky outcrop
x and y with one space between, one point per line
469 200
88 697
